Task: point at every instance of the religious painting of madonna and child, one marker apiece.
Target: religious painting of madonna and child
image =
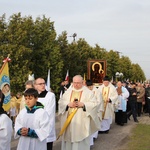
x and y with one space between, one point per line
96 70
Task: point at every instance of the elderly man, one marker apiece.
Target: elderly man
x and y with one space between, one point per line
120 114
109 96
80 101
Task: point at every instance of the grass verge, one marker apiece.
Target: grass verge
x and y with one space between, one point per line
140 138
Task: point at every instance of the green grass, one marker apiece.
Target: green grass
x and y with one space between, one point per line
140 139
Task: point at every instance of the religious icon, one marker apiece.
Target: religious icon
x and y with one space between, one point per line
5 89
96 70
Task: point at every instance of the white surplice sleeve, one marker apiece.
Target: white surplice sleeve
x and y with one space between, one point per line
44 125
5 132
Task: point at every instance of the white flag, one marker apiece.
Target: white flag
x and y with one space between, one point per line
31 77
112 79
48 81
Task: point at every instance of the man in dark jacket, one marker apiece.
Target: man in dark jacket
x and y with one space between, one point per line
132 102
147 96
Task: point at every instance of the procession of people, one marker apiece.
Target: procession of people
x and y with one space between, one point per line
86 111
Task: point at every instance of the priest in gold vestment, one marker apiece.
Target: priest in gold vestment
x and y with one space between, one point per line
84 122
109 96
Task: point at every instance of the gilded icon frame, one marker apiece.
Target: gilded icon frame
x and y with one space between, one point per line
101 64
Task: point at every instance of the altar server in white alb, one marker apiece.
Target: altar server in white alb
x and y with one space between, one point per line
81 102
32 124
90 86
47 98
5 127
109 96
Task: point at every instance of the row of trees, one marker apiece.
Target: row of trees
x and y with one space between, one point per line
34 47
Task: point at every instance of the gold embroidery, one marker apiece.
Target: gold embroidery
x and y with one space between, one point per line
105 93
74 95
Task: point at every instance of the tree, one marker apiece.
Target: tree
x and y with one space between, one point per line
79 52
13 44
33 49
125 66
98 53
64 50
137 73
112 63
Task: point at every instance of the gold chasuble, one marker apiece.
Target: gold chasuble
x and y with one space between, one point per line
71 111
105 93
74 95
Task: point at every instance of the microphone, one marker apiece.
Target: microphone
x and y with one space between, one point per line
75 99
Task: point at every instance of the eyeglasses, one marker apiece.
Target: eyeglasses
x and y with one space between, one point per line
40 84
77 82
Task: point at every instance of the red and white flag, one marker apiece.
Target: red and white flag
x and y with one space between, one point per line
67 76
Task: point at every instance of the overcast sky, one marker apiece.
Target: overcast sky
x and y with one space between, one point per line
119 25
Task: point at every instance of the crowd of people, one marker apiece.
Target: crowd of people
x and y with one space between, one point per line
85 112
31 116
92 109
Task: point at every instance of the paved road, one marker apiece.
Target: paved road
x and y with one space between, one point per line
116 139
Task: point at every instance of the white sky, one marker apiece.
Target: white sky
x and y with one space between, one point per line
119 25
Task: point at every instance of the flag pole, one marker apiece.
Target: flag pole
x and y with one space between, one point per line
84 77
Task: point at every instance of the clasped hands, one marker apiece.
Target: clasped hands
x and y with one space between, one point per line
76 104
24 131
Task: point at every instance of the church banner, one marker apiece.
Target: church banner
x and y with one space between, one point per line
5 83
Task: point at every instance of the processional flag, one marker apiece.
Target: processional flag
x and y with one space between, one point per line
31 77
5 83
67 76
48 88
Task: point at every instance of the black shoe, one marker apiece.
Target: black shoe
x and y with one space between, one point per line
136 121
122 124
103 132
106 132
100 132
128 118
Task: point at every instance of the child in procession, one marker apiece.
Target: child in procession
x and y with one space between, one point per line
32 124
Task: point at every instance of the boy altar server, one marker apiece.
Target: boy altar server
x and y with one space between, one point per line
32 124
